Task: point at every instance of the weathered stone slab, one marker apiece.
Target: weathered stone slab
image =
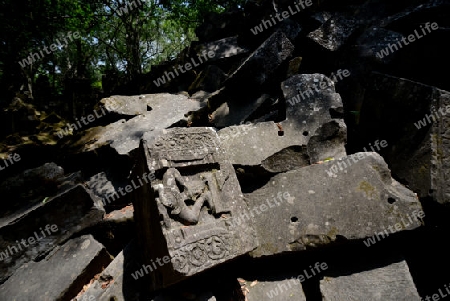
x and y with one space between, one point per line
312 131
60 276
392 282
282 290
68 213
24 190
187 217
417 127
124 136
117 283
310 207
130 105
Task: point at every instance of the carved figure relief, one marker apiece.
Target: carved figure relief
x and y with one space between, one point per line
185 198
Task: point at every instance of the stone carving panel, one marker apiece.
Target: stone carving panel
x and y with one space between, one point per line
192 205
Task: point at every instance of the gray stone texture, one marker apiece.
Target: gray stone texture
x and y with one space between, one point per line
282 290
352 204
392 282
418 156
312 131
60 275
71 212
124 136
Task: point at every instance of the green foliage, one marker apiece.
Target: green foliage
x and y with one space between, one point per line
122 36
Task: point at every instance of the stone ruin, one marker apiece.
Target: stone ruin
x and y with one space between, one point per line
236 180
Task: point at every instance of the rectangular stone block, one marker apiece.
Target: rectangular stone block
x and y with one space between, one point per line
188 217
60 276
312 207
417 127
68 213
392 282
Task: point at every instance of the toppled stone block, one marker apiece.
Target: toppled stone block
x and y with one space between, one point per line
124 136
392 282
188 215
61 275
34 233
30 186
311 207
313 130
417 127
117 282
